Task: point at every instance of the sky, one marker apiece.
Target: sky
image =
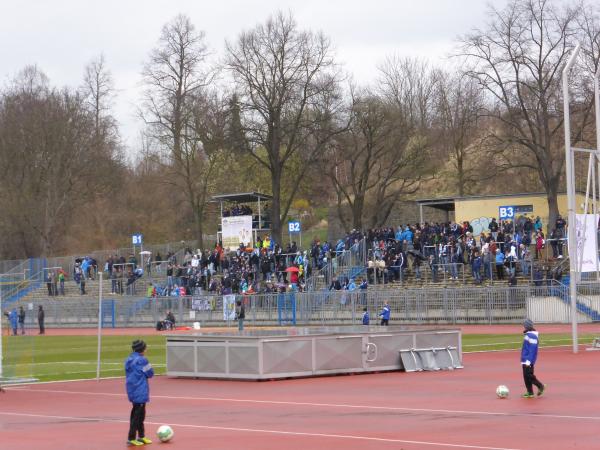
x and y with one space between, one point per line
61 37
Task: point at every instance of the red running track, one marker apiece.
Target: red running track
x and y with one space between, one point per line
443 410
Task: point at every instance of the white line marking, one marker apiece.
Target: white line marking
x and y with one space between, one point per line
320 405
259 430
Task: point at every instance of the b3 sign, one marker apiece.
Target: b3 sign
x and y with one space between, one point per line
506 212
293 227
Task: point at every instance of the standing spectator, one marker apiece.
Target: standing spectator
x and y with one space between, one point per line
49 282
53 282
493 227
500 264
61 282
113 280
158 262
13 318
385 314
240 314
366 320
22 319
539 244
476 267
529 353
41 316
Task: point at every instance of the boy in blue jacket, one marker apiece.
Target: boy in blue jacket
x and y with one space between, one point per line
137 372
385 314
528 358
366 320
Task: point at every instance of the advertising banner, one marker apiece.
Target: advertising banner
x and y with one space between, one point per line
586 242
236 230
229 307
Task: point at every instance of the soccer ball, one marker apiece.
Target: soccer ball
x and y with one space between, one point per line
165 433
502 391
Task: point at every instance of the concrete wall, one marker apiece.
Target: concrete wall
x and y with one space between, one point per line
480 211
554 310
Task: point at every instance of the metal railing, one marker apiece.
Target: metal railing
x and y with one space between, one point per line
487 305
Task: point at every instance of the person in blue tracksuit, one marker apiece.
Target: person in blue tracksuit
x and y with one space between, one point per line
529 353
137 372
13 319
385 314
366 320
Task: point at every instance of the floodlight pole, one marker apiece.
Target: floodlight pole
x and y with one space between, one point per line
571 203
99 325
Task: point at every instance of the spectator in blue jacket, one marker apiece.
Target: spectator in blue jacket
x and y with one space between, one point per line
385 314
366 320
137 372
528 358
13 319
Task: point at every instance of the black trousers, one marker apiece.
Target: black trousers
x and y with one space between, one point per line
385 321
530 379
42 328
136 421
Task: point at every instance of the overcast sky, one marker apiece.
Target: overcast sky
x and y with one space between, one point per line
61 37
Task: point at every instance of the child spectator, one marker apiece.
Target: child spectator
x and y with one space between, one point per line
385 314
137 372
365 318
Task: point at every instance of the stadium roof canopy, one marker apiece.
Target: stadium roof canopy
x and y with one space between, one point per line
243 197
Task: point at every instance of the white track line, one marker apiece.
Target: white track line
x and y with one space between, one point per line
320 405
259 430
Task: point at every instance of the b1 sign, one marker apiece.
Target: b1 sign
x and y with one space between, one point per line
294 227
136 239
506 212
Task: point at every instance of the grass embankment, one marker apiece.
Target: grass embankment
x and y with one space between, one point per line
50 358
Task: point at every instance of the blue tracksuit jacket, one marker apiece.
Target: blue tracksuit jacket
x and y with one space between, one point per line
385 312
137 372
530 348
366 319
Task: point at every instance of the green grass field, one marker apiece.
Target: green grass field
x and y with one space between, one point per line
50 358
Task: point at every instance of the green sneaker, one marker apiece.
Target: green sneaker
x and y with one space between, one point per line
541 391
135 442
145 440
527 395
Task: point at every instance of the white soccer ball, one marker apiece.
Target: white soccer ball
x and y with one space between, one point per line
165 433
502 391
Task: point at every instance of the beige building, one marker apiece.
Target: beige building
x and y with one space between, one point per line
480 209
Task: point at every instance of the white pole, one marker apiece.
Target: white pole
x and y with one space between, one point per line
99 326
597 103
572 240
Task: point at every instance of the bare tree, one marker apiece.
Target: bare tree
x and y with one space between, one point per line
287 91
98 90
175 76
49 166
371 165
517 59
459 106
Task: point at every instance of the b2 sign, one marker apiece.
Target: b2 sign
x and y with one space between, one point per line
506 212
294 227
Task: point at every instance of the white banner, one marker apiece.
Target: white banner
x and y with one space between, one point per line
229 307
585 231
236 230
